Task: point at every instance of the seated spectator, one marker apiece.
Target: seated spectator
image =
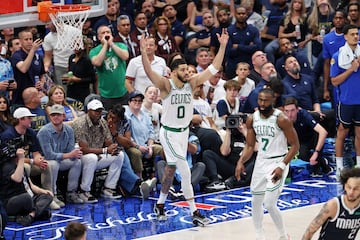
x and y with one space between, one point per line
120 130
196 20
57 141
197 168
258 59
20 196
177 28
246 84
311 137
230 104
152 108
224 164
32 100
99 151
142 133
202 59
57 95
35 163
7 82
83 74
254 18
5 116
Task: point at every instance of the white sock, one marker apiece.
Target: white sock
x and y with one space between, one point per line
192 206
162 198
339 163
357 161
258 214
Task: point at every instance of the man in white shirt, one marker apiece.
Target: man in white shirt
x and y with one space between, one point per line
136 78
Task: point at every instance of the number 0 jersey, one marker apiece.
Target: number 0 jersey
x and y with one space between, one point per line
270 137
177 106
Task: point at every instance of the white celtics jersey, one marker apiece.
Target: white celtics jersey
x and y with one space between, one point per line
177 106
271 140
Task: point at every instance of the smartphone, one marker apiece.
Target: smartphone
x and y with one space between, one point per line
10 81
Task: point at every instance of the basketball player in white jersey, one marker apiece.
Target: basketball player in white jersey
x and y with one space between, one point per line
176 95
339 218
273 131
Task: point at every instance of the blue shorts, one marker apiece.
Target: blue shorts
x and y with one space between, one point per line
349 114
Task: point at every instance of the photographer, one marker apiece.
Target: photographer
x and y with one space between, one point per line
20 196
224 164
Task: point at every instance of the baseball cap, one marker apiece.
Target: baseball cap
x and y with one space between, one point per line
22 112
135 94
57 108
95 105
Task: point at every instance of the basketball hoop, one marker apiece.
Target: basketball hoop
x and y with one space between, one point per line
68 20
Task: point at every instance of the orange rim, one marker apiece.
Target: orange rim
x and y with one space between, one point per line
45 8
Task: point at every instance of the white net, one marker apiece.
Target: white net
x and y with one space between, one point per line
69 28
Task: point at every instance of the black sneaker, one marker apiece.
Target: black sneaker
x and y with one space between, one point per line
25 220
199 219
215 186
176 195
159 210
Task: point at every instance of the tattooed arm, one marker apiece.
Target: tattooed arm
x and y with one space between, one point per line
328 211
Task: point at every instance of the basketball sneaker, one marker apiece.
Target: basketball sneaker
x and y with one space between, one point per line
199 219
159 210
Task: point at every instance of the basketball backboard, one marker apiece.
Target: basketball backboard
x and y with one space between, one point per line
22 13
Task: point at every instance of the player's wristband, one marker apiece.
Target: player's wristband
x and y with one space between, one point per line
212 69
282 165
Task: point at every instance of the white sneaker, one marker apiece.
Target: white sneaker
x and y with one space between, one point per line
147 186
58 201
110 193
87 197
54 206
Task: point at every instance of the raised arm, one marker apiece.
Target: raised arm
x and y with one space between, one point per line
205 75
158 80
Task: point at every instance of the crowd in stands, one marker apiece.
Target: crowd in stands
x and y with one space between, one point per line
94 108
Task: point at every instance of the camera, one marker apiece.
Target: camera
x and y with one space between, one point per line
234 120
8 149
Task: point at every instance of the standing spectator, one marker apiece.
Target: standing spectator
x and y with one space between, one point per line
7 82
202 38
338 210
177 28
83 74
142 133
331 44
123 36
56 55
109 59
13 46
244 41
5 115
99 151
311 137
57 96
109 19
272 161
254 18
20 196
165 41
224 19
28 66
354 13
147 7
136 78
57 141
344 75
277 10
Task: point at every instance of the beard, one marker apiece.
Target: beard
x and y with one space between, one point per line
182 79
295 70
273 76
266 111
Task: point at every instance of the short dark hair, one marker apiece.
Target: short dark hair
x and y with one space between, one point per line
291 100
118 110
267 90
74 230
175 64
347 27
